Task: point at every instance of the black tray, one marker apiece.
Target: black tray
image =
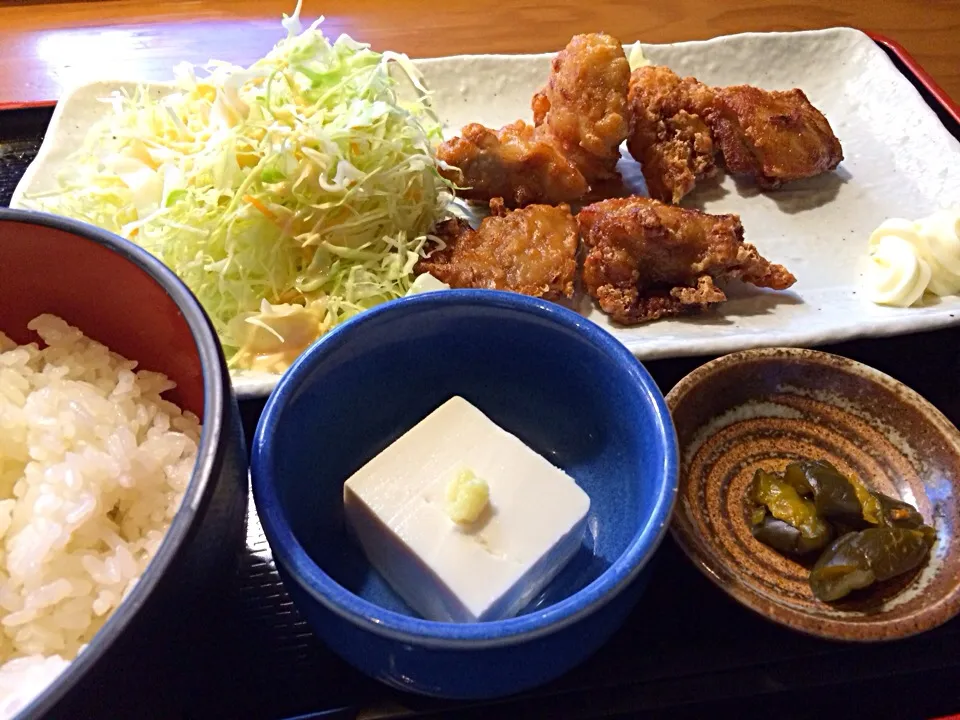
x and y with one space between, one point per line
686 651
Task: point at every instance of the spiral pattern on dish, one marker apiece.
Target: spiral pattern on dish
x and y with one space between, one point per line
771 408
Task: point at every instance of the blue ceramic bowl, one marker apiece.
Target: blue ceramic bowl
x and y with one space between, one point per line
564 386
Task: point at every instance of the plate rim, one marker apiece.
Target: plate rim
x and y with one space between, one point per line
260 385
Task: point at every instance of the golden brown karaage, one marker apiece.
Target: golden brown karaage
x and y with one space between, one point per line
513 163
683 128
584 105
531 251
581 118
647 260
773 136
671 136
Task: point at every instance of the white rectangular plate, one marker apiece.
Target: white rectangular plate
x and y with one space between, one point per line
899 162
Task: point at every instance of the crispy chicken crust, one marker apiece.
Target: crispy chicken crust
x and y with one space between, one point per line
581 117
531 251
773 136
682 129
514 163
671 137
584 105
647 260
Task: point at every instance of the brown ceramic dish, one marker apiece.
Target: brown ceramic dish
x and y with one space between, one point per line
766 408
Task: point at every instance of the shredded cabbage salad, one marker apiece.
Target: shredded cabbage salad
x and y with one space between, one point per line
288 196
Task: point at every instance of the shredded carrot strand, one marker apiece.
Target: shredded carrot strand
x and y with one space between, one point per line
267 212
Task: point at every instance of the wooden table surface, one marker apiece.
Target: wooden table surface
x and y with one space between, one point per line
45 44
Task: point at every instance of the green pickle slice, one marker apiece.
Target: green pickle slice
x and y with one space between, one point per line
874 537
800 530
859 559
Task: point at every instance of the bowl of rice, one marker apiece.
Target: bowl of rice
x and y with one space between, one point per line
122 467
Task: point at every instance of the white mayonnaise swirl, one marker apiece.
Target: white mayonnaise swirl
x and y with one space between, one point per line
897 274
941 237
909 258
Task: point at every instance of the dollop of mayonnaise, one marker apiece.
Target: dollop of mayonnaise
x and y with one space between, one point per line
940 233
276 336
909 258
897 274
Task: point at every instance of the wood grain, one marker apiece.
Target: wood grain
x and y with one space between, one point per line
45 45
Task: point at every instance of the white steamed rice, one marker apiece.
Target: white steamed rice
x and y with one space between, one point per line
93 466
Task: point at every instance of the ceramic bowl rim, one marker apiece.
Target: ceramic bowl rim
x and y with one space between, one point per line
404 628
210 449
833 628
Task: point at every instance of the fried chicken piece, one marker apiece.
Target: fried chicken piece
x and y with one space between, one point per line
530 251
671 136
775 136
581 116
513 163
583 106
681 128
647 260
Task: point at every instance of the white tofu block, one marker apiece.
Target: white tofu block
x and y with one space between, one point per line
491 569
